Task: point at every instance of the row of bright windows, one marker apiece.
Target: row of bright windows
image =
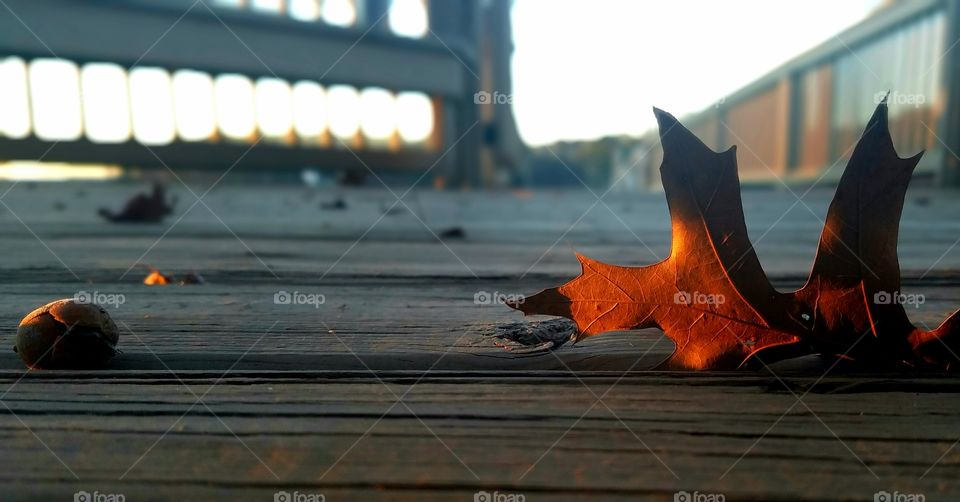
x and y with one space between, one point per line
55 100
406 18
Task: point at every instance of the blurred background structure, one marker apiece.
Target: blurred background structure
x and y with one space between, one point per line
335 84
424 89
799 123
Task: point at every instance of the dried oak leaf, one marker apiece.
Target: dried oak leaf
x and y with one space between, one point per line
158 278
711 296
142 208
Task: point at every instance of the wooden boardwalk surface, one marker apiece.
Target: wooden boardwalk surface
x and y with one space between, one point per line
392 389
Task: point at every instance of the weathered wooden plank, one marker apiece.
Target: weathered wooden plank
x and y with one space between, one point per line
498 430
401 309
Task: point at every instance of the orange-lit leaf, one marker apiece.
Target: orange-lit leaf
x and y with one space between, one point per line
156 278
711 296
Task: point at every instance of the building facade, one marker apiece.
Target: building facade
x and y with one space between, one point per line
799 123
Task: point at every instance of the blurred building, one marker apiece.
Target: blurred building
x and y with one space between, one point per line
630 168
800 122
266 84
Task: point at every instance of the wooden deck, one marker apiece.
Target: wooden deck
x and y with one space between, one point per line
392 389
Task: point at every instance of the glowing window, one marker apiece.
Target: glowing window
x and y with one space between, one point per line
414 116
151 101
14 99
235 110
309 109
305 10
267 6
339 12
408 18
274 107
106 105
55 99
193 105
378 118
236 4
344 107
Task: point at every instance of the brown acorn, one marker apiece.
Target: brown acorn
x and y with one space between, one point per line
67 334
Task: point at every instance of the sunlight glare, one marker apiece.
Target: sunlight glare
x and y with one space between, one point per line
151 104
236 114
193 105
305 10
378 118
344 107
309 110
267 6
274 107
414 116
29 170
106 105
55 99
14 99
409 18
341 13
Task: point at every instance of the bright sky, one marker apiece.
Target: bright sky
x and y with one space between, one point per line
589 68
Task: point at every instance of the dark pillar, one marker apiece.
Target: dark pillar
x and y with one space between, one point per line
372 10
503 154
455 23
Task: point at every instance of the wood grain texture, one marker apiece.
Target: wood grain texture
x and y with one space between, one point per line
401 309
